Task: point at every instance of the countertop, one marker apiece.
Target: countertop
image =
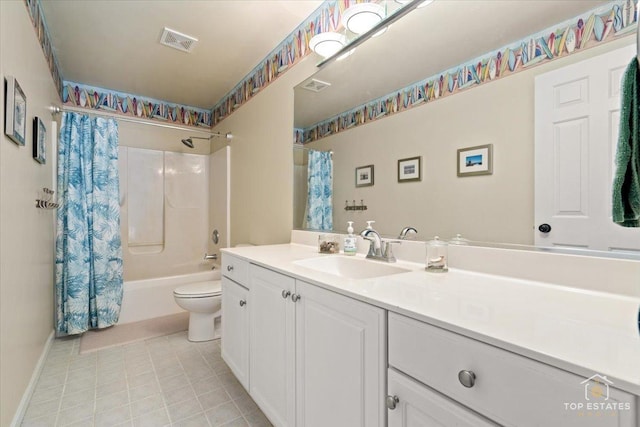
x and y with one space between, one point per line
581 331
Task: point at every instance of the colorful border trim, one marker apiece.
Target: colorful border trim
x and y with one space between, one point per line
288 53
95 98
571 36
40 26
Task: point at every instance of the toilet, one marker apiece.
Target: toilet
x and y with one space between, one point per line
203 301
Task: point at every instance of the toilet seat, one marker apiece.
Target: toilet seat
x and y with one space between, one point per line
199 290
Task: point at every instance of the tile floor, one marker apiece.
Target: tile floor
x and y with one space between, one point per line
165 381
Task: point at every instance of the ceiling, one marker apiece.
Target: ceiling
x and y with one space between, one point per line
115 44
426 42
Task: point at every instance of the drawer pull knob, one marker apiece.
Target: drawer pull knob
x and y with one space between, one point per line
392 402
467 378
285 294
229 267
242 303
295 297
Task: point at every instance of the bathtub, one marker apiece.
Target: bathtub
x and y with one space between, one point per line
149 298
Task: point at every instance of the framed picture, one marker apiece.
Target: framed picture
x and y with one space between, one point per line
39 140
15 111
410 169
475 160
364 176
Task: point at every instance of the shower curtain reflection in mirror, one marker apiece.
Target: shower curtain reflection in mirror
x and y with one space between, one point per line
88 248
319 210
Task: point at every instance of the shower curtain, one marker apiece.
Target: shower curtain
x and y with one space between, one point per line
319 213
88 249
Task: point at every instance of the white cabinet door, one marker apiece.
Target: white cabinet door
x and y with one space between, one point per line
235 329
271 359
577 114
419 406
340 360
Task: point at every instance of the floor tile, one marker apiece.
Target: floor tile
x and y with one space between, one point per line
222 414
165 381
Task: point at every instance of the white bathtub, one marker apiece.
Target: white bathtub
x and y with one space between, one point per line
149 298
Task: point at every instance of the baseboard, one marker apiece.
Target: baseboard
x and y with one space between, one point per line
24 402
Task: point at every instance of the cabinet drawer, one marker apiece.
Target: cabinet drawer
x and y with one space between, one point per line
236 269
510 389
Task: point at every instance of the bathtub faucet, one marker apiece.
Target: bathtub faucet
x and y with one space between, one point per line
212 257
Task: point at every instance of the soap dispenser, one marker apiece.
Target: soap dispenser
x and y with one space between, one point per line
437 256
351 241
369 226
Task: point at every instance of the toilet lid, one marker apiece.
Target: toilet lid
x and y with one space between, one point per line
200 289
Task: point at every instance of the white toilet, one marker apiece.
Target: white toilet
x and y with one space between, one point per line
203 301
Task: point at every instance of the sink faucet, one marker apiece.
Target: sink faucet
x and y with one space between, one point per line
379 249
405 231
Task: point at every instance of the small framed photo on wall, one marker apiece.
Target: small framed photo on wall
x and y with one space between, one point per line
410 169
364 176
475 160
15 111
39 141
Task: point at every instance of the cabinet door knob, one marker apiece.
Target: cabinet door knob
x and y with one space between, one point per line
229 267
295 297
285 294
467 378
242 303
392 402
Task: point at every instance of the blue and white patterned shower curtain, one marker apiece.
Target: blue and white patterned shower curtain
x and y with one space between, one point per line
88 246
319 213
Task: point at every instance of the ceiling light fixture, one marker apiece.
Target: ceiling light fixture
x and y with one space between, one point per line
362 17
326 44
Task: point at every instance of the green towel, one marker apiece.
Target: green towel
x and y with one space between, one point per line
626 183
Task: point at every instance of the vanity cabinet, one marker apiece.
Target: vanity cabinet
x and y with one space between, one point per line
235 329
317 358
504 387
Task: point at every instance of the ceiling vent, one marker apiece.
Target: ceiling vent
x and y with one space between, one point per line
315 85
177 40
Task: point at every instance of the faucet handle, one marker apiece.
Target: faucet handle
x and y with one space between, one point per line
387 249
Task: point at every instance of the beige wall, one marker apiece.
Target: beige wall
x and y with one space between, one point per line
26 233
261 161
497 208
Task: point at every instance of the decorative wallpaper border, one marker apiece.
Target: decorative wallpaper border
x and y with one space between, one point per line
571 36
289 52
95 98
42 32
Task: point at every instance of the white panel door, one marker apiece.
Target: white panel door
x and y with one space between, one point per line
419 406
340 360
235 329
577 112
271 354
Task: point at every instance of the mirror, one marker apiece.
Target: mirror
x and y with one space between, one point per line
425 43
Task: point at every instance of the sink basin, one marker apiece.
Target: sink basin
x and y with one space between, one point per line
350 268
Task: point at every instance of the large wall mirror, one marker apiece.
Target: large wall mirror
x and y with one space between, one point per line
497 207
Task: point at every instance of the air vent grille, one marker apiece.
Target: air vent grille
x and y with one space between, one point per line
177 40
315 85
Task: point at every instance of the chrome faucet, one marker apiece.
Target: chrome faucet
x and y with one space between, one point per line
405 231
379 249
212 257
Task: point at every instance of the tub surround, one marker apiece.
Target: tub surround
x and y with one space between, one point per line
582 329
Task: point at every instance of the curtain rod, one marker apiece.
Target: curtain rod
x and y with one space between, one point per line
297 147
56 110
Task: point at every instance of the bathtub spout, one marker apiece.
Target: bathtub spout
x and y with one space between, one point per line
212 256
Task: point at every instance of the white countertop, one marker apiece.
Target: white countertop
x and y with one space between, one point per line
581 331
